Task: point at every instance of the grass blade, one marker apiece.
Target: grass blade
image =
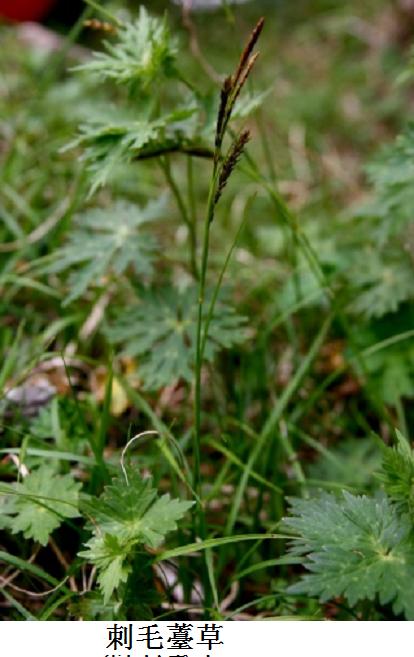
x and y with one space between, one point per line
190 548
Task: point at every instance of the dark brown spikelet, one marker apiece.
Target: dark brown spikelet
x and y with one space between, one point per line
248 49
101 26
230 162
245 74
224 98
233 85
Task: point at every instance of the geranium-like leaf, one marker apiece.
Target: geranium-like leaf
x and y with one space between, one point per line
382 271
397 474
109 555
392 175
391 369
141 53
355 546
161 330
126 516
107 240
41 502
382 283
108 142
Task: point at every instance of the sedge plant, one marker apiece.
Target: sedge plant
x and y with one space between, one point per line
223 166
143 56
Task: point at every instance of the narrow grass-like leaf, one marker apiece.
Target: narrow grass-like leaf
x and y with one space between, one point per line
215 542
26 566
270 563
273 420
20 608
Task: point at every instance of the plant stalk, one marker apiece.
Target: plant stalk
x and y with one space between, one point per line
165 165
199 350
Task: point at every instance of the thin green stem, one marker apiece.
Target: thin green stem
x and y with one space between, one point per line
107 14
165 166
402 420
278 410
191 196
292 456
388 342
199 521
265 142
52 71
199 354
213 301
